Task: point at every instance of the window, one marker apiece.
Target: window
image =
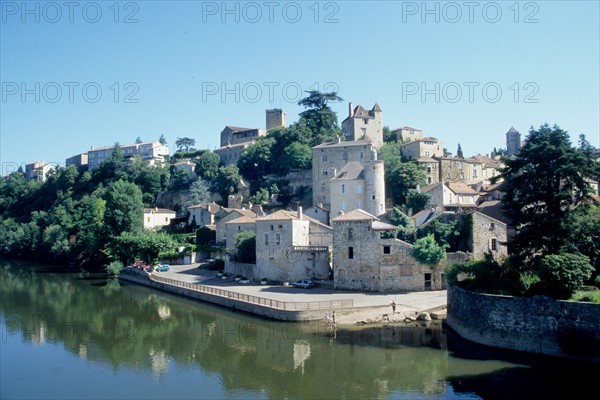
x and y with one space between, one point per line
345 156
280 226
364 130
271 227
350 233
266 239
148 219
428 170
351 253
358 204
373 197
358 188
324 158
474 172
239 228
324 172
429 180
277 239
343 205
494 244
386 250
343 188
166 219
427 154
361 155
492 226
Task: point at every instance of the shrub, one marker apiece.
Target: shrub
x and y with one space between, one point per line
114 268
562 274
427 251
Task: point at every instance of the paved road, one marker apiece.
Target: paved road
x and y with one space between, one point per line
368 306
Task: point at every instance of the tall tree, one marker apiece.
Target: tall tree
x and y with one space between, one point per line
459 152
207 165
199 193
543 184
124 208
162 140
318 116
185 143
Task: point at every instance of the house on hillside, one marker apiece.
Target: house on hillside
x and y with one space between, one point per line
204 214
229 215
451 196
156 218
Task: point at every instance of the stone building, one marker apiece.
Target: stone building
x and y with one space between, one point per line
275 118
366 259
425 147
150 152
78 160
361 124
229 215
38 170
407 134
234 140
451 196
513 142
203 214
347 174
489 235
156 218
292 246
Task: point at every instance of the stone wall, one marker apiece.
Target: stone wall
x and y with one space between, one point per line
535 325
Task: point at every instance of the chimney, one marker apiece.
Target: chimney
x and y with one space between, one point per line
300 213
350 109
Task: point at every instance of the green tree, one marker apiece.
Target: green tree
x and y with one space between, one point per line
318 116
139 140
256 160
388 136
162 140
406 228
199 193
245 245
400 177
261 197
427 251
185 143
144 245
207 165
296 156
542 184
226 181
459 152
562 274
124 208
417 201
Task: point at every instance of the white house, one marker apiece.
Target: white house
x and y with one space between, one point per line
155 218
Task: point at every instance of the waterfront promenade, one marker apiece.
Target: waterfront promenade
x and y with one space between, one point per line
351 307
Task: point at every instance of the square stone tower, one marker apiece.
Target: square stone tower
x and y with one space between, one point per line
275 118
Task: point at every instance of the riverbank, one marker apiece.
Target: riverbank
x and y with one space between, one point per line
287 303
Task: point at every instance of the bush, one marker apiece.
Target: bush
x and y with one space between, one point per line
427 251
562 274
479 275
114 268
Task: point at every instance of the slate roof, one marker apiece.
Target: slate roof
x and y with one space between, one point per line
342 144
355 215
352 170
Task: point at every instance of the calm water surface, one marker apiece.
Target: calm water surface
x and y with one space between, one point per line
78 335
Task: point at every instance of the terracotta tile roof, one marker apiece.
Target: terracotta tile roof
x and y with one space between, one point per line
461 188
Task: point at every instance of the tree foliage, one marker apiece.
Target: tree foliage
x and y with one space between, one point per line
245 245
185 143
543 184
400 177
124 208
562 274
199 193
427 251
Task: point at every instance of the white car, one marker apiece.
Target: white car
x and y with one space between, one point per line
304 284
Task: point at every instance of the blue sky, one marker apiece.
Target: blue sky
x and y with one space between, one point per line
82 74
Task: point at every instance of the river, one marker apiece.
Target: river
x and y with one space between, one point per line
69 334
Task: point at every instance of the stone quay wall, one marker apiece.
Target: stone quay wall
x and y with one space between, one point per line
538 324
273 309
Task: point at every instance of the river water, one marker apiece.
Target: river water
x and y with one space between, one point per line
68 334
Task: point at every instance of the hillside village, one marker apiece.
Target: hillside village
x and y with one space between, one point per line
346 233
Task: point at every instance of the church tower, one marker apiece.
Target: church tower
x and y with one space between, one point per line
513 142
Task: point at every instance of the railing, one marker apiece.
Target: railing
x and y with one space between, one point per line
262 301
311 248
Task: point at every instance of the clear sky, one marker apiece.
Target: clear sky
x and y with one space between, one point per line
80 74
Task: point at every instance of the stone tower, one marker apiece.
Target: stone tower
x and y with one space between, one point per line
275 118
513 142
364 125
374 186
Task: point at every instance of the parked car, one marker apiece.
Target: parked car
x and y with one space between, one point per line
162 268
304 284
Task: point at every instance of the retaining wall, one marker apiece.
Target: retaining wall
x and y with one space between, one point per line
535 325
306 311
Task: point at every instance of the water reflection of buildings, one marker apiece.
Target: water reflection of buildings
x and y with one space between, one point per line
301 353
